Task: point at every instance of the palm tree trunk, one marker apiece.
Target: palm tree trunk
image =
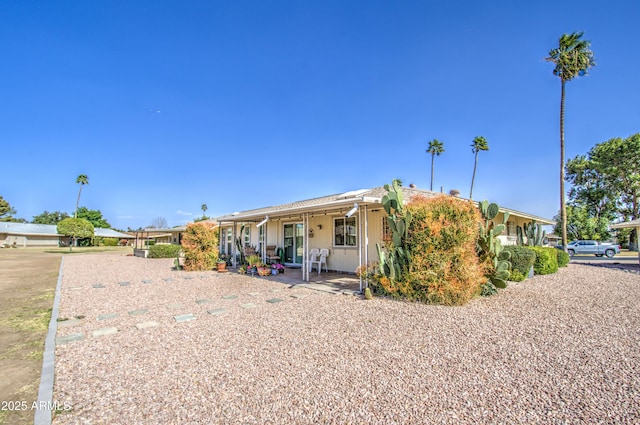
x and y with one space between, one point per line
563 204
432 158
78 202
475 165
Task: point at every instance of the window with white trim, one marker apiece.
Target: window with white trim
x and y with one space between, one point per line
344 231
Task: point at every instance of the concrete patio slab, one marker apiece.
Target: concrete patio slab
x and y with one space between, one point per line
184 318
104 331
65 339
147 325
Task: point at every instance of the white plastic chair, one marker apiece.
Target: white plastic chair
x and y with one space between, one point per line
313 259
324 253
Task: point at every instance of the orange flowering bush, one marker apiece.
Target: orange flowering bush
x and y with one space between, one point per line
200 246
441 242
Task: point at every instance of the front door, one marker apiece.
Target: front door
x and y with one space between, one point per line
293 244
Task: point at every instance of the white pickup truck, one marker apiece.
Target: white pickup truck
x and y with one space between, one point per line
593 247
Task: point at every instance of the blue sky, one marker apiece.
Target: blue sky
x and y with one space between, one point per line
167 105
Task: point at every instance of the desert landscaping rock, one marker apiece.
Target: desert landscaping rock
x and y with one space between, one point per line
124 283
248 306
274 300
138 312
555 349
229 297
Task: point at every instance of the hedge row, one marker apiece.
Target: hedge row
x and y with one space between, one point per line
164 251
522 258
545 260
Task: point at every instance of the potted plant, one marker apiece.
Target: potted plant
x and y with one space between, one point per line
277 267
224 261
254 262
222 265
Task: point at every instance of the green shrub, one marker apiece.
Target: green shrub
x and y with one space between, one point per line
164 251
109 242
441 240
517 276
563 258
522 258
546 260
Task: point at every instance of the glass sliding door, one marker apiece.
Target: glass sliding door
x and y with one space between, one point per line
293 243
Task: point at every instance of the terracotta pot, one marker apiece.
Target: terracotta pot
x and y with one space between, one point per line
222 266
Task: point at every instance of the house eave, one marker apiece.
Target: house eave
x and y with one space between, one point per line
328 207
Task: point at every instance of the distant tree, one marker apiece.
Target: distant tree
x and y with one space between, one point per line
435 148
6 210
204 209
75 228
159 223
479 144
606 182
49 217
82 179
571 58
94 217
581 225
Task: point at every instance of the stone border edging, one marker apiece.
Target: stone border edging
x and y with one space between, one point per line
45 392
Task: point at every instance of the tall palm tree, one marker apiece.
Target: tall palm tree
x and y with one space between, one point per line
435 148
571 58
204 208
479 144
82 179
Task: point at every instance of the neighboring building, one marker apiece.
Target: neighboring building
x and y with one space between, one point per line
28 234
152 236
632 224
348 224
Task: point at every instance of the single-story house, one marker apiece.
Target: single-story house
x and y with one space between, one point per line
29 234
348 224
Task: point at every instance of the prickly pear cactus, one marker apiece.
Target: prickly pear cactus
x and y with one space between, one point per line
395 260
490 248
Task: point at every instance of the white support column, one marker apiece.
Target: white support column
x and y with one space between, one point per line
638 241
360 245
234 248
305 257
366 246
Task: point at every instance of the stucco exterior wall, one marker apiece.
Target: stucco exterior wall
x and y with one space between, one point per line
28 240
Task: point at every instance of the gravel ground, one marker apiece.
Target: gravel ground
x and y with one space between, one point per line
562 348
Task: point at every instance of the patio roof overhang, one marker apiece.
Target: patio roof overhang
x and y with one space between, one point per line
538 219
626 224
330 207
